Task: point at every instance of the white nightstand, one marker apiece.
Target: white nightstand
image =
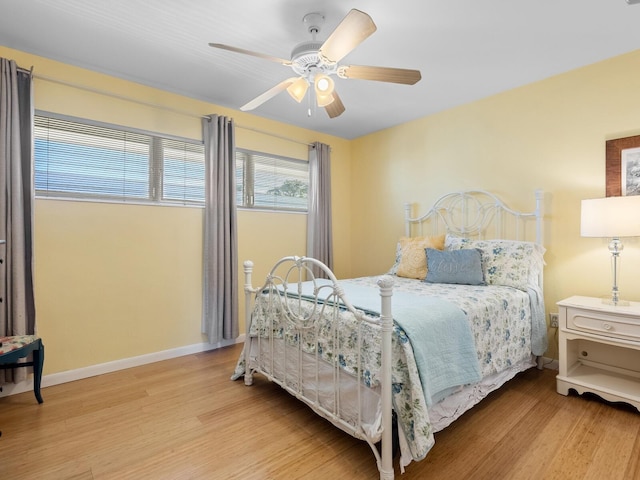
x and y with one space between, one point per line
599 349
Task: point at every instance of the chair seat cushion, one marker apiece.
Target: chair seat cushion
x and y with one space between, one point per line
9 344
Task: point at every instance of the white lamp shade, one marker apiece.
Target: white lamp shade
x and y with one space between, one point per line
610 217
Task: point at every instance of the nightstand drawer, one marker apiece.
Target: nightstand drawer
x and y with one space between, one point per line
603 324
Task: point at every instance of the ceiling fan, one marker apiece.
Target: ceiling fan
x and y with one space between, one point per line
316 62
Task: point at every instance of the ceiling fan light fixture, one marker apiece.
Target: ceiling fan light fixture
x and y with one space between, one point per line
324 99
324 90
324 84
298 89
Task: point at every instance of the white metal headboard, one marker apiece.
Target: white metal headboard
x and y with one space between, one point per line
477 214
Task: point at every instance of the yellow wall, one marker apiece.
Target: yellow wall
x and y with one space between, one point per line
116 281
549 135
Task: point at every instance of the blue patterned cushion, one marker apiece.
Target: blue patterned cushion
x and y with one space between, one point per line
463 267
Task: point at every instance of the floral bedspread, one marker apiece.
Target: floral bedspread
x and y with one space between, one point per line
499 318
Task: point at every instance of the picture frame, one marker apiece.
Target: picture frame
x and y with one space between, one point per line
623 166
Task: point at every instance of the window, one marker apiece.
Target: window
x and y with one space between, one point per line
270 182
74 159
79 159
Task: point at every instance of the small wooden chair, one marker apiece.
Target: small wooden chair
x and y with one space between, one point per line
16 347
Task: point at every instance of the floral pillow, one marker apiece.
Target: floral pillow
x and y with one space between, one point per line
505 262
411 260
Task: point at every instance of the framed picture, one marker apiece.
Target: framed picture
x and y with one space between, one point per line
623 166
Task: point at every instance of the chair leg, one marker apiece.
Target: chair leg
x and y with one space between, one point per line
38 362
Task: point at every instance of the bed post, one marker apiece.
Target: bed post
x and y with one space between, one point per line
539 216
407 219
248 291
539 239
385 283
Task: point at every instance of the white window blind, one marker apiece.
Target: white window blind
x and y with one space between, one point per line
183 175
75 158
83 160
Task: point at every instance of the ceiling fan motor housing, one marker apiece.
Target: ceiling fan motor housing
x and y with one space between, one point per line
305 59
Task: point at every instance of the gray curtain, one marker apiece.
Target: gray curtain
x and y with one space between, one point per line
17 309
220 282
319 231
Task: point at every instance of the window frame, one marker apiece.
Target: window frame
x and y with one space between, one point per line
156 159
248 192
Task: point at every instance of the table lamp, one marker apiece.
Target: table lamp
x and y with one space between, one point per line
611 217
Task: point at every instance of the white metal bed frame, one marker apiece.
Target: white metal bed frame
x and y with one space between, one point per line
475 214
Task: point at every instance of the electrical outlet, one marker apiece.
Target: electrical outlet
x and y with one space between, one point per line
553 320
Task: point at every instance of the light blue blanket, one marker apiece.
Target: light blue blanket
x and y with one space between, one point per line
539 342
441 337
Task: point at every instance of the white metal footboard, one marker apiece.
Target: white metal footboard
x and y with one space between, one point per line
297 325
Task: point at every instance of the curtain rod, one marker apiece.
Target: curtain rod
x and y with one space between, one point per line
157 106
25 70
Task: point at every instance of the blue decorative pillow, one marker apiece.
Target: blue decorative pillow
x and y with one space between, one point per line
462 267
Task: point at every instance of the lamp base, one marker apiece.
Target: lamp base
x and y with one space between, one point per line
619 303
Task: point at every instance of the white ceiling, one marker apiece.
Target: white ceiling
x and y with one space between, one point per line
465 49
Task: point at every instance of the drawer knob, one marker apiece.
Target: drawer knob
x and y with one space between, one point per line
607 326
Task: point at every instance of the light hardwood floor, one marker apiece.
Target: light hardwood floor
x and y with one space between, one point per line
184 419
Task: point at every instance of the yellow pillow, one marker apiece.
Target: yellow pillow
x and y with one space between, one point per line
413 259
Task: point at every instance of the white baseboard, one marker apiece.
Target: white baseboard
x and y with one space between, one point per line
93 370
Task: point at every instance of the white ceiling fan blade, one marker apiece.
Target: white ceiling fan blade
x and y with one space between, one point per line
351 32
335 108
380 74
268 95
249 52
